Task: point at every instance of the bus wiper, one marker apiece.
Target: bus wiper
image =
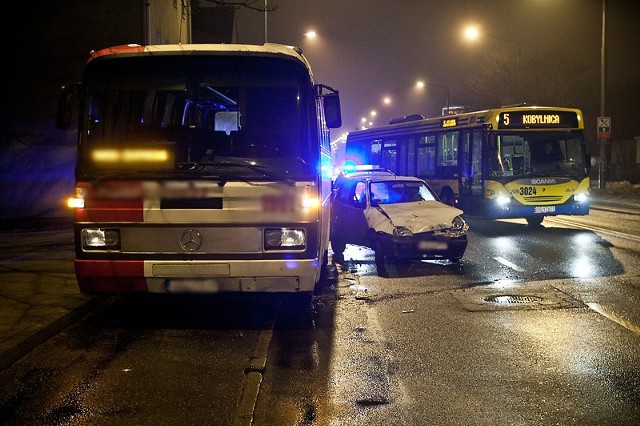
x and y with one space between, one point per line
199 166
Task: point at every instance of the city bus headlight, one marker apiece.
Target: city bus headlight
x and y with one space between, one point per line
503 201
100 239
284 239
581 198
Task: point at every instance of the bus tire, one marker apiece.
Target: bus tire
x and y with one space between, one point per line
338 244
447 196
535 220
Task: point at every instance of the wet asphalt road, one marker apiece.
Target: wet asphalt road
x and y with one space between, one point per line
534 326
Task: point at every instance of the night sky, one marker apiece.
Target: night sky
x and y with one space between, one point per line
374 48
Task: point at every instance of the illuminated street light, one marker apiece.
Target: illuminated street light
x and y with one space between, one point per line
421 85
311 34
473 33
373 113
386 100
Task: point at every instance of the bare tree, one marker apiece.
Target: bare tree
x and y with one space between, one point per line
257 5
494 82
553 78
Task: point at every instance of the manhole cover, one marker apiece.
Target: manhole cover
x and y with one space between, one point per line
510 299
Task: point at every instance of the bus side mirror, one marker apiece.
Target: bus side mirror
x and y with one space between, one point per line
65 105
332 113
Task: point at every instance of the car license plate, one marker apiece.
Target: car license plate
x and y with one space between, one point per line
432 245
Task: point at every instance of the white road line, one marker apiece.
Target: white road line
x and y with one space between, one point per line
508 264
631 237
615 318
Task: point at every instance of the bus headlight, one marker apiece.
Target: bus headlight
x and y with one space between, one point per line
284 239
100 239
581 198
503 201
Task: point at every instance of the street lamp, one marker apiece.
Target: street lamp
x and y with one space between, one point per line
421 85
473 33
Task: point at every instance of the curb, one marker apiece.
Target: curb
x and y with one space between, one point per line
34 335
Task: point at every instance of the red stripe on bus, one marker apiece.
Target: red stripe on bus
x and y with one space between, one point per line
111 211
110 276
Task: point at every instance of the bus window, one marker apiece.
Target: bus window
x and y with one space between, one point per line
448 148
389 156
476 163
426 156
374 157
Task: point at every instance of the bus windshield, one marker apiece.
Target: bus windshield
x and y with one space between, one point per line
537 154
198 116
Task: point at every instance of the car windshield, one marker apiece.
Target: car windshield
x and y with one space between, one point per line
537 154
208 115
393 192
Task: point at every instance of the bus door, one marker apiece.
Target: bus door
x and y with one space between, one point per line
471 176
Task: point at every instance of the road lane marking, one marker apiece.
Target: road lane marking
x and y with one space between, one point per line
508 264
615 318
592 228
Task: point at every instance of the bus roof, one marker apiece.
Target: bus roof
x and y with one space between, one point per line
267 49
488 117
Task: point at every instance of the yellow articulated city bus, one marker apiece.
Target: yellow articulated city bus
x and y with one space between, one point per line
511 162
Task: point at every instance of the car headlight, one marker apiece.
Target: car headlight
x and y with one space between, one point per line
458 228
402 231
459 225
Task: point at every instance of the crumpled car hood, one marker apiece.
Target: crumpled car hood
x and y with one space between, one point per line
421 216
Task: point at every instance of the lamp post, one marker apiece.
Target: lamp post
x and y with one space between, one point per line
421 84
602 163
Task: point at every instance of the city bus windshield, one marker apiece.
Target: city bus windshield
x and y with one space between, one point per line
537 154
198 115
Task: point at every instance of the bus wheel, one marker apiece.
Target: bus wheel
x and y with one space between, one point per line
447 197
535 220
338 245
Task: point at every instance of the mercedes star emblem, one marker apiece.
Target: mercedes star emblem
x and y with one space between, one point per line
191 240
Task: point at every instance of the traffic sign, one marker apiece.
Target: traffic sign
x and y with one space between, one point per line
604 127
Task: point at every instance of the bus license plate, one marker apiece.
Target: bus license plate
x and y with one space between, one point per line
544 209
432 245
182 285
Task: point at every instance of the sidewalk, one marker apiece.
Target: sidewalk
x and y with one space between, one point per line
39 296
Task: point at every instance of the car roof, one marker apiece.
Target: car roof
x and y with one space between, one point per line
386 178
378 176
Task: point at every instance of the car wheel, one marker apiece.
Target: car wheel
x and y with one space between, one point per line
378 249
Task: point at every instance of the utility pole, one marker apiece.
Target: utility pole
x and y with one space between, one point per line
266 6
602 163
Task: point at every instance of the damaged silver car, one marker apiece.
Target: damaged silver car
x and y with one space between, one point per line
399 217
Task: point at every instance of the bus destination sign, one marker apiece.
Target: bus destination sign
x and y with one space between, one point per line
450 122
538 120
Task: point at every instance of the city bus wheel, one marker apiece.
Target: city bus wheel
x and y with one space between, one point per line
535 220
447 196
